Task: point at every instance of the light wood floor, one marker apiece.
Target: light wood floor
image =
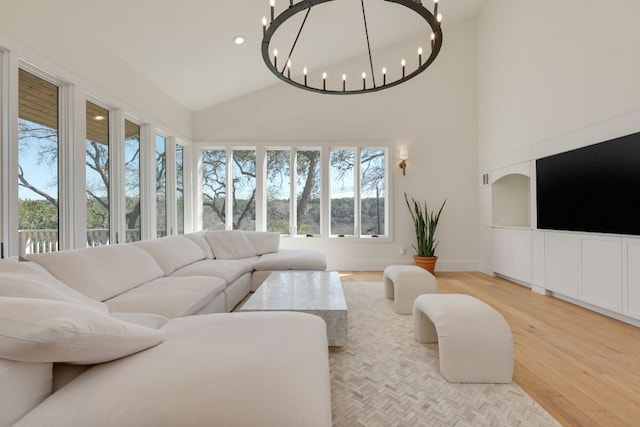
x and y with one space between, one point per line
582 367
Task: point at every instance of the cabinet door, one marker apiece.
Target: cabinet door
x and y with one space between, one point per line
601 283
632 279
501 251
562 261
521 255
538 267
512 253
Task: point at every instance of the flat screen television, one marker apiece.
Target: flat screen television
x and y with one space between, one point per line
591 189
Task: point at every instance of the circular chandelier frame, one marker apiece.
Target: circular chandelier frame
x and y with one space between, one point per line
270 28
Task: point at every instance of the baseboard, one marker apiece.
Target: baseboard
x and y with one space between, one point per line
603 311
380 265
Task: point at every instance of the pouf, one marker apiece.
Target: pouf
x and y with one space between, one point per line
474 340
404 283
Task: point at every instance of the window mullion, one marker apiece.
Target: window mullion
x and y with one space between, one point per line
171 185
229 182
66 169
293 214
9 153
117 179
325 192
356 194
261 188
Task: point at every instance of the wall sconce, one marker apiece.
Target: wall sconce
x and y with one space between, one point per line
404 155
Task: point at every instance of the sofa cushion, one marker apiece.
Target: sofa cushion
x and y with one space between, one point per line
150 320
169 296
228 270
230 244
38 330
103 271
292 259
31 280
231 369
199 239
23 386
172 252
264 242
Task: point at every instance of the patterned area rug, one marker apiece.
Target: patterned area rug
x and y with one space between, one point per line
384 377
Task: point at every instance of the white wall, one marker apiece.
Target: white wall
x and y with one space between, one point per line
36 35
552 76
550 67
434 116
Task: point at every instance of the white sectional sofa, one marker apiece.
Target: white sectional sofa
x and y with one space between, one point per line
198 273
109 336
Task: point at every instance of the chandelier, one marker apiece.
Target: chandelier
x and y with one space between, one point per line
378 77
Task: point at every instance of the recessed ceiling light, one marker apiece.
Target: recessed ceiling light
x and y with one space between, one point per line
238 40
99 118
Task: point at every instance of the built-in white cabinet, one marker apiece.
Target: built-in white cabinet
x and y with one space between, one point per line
511 221
601 271
538 261
512 253
598 271
631 278
601 268
563 263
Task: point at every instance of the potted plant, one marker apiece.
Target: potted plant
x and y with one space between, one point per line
425 223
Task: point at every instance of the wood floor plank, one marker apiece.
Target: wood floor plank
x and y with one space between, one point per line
582 367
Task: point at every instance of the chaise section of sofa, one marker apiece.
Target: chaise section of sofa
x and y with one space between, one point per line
65 360
242 369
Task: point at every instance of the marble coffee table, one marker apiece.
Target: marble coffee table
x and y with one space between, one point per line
314 292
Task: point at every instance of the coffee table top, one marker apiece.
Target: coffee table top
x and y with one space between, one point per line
298 291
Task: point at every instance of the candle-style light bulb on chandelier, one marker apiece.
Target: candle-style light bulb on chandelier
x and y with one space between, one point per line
378 80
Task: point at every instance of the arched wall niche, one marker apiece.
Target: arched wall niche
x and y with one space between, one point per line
510 201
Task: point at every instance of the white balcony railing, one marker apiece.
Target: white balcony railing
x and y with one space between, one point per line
39 241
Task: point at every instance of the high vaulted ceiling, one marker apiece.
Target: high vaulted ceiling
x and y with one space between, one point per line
186 47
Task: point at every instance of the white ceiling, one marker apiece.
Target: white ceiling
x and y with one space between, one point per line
186 47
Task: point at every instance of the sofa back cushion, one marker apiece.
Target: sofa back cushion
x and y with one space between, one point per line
230 244
31 280
199 239
173 252
23 386
101 272
264 242
46 331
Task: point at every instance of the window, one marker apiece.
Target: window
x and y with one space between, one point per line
373 200
214 189
368 176
308 192
355 194
97 175
342 178
244 189
278 188
132 181
161 186
38 208
180 187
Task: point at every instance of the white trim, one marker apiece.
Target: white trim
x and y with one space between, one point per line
171 184
261 188
147 182
6 235
67 218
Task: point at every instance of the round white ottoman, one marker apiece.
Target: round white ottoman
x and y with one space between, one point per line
404 283
474 340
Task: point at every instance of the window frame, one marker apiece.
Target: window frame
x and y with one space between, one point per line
65 166
325 213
